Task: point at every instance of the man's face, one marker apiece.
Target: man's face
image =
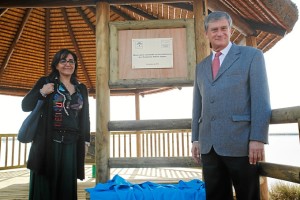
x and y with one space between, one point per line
218 33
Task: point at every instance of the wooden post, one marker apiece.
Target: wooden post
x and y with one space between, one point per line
102 92
264 192
137 117
202 43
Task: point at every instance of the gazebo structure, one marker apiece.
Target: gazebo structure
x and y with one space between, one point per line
32 31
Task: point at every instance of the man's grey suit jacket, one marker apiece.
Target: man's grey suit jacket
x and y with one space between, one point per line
234 108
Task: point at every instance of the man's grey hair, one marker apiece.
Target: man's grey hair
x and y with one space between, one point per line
215 16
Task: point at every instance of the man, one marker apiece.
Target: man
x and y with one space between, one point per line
231 113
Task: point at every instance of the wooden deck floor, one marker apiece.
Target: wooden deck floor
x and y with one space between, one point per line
14 183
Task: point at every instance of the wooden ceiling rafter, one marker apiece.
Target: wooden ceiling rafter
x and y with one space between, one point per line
175 3
121 13
92 9
268 26
267 46
2 11
17 37
86 19
47 40
139 12
75 44
184 6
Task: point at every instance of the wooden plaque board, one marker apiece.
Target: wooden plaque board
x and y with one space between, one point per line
122 75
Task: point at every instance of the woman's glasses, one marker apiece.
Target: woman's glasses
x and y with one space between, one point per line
64 62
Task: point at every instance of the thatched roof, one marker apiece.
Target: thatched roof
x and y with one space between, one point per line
32 31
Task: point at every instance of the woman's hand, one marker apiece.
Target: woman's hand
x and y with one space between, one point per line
47 89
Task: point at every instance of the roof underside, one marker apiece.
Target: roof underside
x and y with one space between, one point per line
30 35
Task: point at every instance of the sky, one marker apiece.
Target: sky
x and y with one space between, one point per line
283 77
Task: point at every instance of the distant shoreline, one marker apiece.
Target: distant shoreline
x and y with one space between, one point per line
283 134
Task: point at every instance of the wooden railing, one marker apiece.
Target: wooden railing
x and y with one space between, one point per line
135 149
124 144
145 144
13 154
279 116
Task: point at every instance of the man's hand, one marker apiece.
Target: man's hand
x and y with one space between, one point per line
86 148
256 152
196 151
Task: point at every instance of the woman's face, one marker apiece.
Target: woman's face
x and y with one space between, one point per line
66 66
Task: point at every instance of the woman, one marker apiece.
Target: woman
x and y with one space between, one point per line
57 154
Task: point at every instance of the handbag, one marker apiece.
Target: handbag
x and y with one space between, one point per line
30 124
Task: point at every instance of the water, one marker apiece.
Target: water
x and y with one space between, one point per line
283 149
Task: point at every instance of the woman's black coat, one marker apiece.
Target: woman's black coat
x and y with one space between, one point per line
40 153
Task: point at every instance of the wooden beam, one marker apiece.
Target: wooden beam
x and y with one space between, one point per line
153 162
72 36
16 40
184 6
13 91
163 124
122 14
279 116
2 11
267 28
282 172
139 12
285 115
102 92
149 83
202 43
86 19
251 41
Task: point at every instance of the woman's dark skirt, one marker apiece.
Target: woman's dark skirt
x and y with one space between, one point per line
62 185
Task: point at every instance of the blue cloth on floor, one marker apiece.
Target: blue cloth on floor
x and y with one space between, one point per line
120 189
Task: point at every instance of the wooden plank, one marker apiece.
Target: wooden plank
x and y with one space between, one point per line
278 171
155 162
285 115
279 116
164 124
